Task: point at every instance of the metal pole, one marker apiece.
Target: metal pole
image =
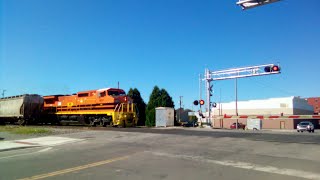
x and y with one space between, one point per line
236 89
3 92
236 96
208 109
200 120
199 86
220 103
180 109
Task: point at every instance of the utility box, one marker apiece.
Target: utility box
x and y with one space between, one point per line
254 124
164 116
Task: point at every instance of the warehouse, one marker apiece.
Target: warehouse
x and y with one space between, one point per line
281 108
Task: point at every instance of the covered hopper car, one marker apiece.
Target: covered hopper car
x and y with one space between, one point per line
21 109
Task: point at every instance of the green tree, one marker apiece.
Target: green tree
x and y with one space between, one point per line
158 98
141 105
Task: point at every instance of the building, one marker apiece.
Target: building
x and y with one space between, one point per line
280 108
273 106
315 102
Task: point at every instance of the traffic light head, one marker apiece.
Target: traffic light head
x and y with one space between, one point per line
273 68
196 102
201 102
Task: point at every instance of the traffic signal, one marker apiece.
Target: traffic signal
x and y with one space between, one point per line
273 68
201 102
196 102
214 104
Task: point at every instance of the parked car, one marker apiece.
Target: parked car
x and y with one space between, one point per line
305 126
189 124
240 126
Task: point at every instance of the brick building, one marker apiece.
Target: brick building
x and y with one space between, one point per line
315 102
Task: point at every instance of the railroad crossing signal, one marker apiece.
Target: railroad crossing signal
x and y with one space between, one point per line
210 90
196 102
243 72
273 68
214 104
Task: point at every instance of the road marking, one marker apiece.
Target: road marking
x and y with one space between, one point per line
245 165
64 171
46 149
48 141
42 150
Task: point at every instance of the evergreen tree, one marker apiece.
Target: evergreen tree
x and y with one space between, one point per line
141 105
158 98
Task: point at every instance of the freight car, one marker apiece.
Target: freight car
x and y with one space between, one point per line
22 109
109 106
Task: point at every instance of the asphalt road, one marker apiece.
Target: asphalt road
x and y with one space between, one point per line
140 153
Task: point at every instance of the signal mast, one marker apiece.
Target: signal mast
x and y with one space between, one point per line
243 72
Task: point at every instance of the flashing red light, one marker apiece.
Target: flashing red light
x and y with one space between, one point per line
273 68
201 102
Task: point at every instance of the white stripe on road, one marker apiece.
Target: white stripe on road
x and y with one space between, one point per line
48 141
244 165
42 150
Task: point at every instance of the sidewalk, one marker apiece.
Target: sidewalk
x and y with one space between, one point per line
36 142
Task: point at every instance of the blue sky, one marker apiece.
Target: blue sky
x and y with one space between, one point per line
58 47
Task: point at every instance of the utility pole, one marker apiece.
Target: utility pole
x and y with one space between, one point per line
3 91
180 108
236 91
200 87
220 112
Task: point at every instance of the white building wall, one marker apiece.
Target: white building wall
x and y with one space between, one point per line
273 106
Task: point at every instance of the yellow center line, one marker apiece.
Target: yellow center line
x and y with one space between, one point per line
64 171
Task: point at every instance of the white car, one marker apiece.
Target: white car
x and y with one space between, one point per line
305 126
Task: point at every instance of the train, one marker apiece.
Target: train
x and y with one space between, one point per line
101 107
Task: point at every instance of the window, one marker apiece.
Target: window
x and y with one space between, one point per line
102 94
83 95
113 93
122 93
283 105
